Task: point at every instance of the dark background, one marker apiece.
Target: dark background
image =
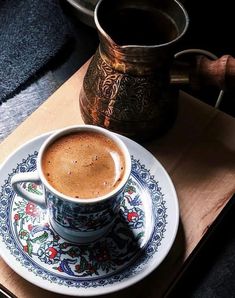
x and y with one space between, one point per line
211 27
212 272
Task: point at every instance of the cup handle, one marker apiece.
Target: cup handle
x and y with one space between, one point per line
28 177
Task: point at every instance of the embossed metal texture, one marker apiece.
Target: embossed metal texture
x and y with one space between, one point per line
127 85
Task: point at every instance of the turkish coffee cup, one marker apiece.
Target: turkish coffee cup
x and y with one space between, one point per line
83 171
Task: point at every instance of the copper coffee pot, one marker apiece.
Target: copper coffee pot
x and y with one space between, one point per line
132 83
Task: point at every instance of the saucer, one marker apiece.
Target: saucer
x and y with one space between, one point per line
137 243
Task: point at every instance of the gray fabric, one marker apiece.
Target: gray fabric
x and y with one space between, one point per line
16 109
31 32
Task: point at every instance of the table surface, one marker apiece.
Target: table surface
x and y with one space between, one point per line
198 153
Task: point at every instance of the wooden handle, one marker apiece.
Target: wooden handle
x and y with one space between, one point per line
219 73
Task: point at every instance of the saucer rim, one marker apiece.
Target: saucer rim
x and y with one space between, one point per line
111 287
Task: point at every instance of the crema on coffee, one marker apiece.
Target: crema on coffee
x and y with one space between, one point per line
83 165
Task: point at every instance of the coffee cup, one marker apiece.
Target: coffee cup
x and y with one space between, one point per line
83 171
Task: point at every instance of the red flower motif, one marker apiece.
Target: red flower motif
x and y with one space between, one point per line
103 256
31 209
25 248
77 267
52 252
30 227
16 217
131 216
34 185
91 268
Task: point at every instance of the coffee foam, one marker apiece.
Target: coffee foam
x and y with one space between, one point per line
83 165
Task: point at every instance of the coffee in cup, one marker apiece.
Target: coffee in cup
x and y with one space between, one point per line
84 164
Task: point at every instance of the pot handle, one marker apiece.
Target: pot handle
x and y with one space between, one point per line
218 73
204 71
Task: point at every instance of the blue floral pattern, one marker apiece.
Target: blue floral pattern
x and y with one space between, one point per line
27 234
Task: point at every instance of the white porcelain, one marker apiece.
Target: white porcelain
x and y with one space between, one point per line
138 242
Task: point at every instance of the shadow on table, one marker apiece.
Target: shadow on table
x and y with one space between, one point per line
156 284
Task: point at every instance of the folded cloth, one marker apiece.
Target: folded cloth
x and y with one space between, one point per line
31 32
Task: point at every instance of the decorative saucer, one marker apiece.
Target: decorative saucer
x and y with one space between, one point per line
137 243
